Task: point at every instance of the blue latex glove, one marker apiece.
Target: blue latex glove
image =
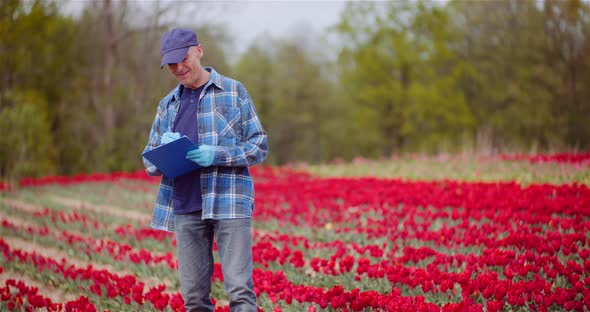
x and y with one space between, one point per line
202 155
168 137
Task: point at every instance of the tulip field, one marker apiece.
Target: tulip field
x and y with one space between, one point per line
411 233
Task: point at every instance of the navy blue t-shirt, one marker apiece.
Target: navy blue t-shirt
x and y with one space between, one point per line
186 196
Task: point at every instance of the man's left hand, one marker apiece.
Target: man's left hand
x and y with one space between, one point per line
202 155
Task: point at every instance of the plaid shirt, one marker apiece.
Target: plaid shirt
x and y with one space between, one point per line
227 120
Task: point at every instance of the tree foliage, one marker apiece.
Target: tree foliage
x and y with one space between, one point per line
78 93
292 96
402 76
38 59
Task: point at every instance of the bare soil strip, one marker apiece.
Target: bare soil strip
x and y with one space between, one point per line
56 254
55 294
26 224
81 204
28 207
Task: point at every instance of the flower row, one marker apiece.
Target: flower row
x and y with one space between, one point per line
396 270
17 296
570 158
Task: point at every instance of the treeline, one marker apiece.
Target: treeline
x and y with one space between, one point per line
78 92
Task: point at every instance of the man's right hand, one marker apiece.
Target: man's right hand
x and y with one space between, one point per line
168 137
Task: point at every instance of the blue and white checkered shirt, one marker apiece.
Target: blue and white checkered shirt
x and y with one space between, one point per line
227 120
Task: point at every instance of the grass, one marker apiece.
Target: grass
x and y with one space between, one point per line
114 201
457 168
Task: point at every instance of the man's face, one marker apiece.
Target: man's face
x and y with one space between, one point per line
189 71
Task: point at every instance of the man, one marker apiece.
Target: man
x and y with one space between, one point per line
217 114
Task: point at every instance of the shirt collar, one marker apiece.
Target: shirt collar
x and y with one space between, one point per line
214 79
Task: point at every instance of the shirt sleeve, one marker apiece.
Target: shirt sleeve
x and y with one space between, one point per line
253 148
153 142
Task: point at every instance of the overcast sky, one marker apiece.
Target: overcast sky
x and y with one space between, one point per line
249 19
279 17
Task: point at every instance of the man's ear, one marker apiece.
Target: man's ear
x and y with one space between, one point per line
200 50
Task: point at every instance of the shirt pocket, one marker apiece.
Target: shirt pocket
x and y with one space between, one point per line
167 119
228 124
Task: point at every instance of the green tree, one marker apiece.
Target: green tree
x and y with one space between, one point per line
27 148
403 77
567 52
120 83
38 62
255 69
294 98
515 85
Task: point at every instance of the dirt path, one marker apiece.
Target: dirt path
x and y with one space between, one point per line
28 207
55 294
26 224
73 204
58 255
55 253
80 204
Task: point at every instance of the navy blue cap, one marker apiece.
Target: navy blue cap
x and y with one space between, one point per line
175 45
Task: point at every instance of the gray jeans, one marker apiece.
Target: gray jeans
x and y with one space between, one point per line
194 238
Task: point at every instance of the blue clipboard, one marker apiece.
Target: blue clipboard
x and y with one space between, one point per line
170 158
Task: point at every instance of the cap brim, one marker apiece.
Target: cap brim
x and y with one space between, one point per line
174 56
